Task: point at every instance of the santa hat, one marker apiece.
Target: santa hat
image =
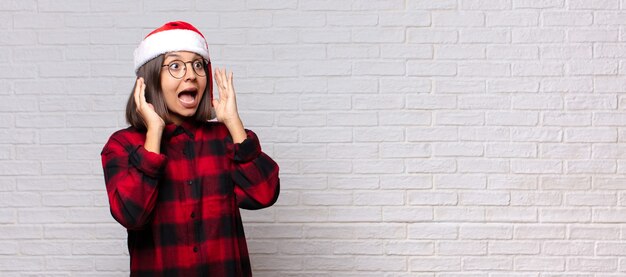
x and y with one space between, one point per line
172 36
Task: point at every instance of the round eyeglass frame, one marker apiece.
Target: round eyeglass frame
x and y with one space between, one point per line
202 73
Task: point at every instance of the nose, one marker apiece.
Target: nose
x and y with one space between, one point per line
190 74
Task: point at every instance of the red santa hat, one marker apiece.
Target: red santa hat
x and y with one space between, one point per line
172 36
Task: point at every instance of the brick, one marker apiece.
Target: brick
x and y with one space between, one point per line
458 19
535 199
537 69
432 231
351 182
541 134
402 19
459 181
379 68
352 51
384 102
514 247
459 214
515 182
566 119
597 232
378 166
564 215
404 214
379 134
484 36
608 215
565 182
323 36
291 215
462 86
353 150
608 119
453 149
498 52
384 263
593 264
511 19
594 4
484 134
475 69
405 181
483 199
488 263
263 262
485 5
368 118
590 199
323 166
593 35
394 150
431 166
292 53
482 166
431 69
512 150
296 19
271 5
565 151
9 263
461 248
432 198
354 214
511 214
536 166
540 231
592 167
435 264
16 5
590 135
431 36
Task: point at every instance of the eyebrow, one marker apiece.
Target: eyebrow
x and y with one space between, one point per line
171 55
179 56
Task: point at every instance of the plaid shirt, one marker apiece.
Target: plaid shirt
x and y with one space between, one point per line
181 207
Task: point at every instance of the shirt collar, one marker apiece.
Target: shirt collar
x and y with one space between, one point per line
186 127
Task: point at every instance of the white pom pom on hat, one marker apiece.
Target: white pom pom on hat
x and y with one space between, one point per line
172 36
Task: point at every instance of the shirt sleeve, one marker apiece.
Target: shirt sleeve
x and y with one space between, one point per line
255 174
131 175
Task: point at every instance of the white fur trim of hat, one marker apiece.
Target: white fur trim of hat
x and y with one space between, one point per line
172 36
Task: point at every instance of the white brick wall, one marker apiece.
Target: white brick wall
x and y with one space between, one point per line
416 138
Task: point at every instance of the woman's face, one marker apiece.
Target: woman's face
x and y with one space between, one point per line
182 96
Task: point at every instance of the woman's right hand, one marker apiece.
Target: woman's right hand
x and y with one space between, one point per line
150 118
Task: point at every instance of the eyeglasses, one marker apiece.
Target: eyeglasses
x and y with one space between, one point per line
178 68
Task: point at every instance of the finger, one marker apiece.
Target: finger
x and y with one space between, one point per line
224 79
230 81
142 94
222 84
136 92
217 78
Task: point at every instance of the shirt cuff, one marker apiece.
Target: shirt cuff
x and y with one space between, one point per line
148 162
248 150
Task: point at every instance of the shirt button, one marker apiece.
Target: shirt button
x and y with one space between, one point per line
193 215
189 182
195 249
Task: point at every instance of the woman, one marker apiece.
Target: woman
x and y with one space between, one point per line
174 179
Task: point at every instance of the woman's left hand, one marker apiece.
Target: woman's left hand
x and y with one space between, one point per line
226 106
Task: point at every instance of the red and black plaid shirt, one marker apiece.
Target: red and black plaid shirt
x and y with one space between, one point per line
181 207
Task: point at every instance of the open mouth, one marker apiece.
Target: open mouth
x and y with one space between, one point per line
187 97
